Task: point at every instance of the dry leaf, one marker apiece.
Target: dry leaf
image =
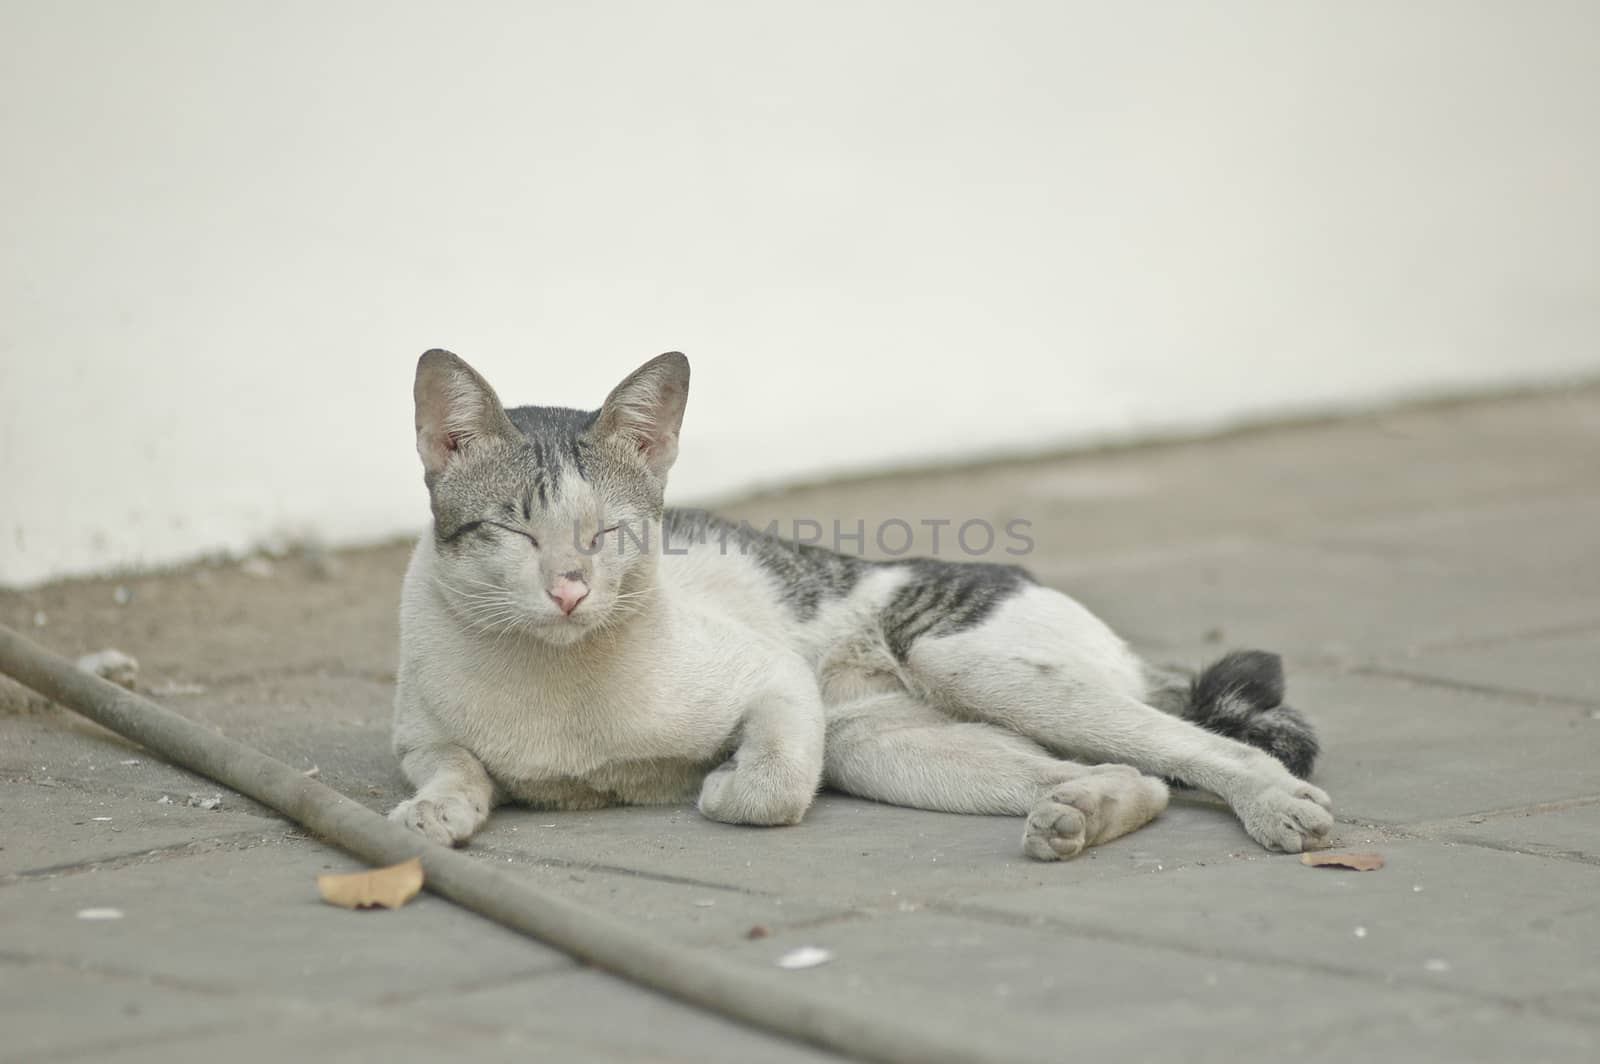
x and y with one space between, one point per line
387 888
1357 862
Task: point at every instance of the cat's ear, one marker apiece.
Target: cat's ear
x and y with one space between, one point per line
455 406
646 410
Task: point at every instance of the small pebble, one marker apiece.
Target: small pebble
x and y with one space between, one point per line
40 619
704 903
165 799
1361 932
1436 965
99 914
758 931
121 596
111 664
101 819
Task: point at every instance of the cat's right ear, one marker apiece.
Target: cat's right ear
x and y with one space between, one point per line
455 406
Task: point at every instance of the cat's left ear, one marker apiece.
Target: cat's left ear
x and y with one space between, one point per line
646 410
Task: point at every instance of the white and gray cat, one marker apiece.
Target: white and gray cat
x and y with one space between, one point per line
568 642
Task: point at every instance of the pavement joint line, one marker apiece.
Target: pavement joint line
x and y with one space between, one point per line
1450 830
1515 694
1553 631
1527 850
1511 812
115 973
325 670
233 842
1447 992
1352 546
137 794
273 1008
562 966
340 1011
98 1047
638 873
1559 805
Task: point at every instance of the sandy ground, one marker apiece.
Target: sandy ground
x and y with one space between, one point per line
1432 577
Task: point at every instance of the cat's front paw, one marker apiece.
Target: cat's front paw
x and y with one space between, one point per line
449 820
1290 816
767 794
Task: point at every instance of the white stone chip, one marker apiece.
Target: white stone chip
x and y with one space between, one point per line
805 957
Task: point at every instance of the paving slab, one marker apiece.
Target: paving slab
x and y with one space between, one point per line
1350 600
1038 992
691 911
53 1012
1561 667
1572 833
606 1020
1399 750
1443 1035
76 828
1442 917
251 922
334 1040
81 1018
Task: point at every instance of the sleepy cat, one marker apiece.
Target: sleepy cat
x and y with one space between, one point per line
568 642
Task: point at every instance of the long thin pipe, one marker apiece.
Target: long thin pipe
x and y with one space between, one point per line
761 999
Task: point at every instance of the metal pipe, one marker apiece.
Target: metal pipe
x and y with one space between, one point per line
760 999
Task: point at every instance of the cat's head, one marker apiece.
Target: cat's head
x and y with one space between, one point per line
531 505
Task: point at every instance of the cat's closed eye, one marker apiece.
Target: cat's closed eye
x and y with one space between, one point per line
517 532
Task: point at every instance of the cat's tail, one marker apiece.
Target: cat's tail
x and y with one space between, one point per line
1241 696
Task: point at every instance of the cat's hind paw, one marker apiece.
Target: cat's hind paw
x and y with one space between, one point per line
1054 831
1097 807
1288 817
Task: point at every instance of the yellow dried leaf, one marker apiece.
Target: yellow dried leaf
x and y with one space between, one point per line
1357 862
387 888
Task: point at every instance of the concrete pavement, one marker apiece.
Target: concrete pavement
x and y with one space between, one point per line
1432 577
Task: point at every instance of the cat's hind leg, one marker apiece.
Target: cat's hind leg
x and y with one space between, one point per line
1044 667
454 794
892 748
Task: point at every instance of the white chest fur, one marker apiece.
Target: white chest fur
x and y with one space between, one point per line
637 713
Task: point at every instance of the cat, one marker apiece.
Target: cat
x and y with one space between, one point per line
569 642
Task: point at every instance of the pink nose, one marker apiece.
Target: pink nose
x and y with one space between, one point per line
568 593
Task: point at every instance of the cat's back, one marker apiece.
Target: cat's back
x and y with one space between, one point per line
748 573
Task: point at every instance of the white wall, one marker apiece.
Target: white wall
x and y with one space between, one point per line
883 232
